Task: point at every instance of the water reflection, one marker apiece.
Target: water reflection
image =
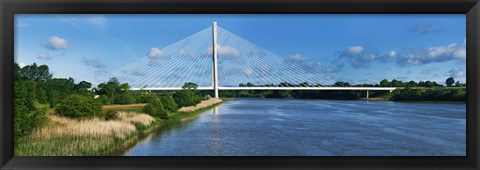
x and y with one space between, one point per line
214 144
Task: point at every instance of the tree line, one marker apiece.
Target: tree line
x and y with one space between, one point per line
450 82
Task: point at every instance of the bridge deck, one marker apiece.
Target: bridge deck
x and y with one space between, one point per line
274 88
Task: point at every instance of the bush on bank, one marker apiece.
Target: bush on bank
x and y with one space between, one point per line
155 108
186 98
169 103
79 106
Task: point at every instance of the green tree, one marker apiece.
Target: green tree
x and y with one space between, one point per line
411 84
385 83
429 84
26 116
449 81
79 106
304 84
57 89
155 108
36 73
169 103
82 86
396 83
190 86
186 98
342 84
124 98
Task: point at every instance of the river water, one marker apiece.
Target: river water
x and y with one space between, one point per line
291 127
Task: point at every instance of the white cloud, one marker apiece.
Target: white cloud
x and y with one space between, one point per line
298 57
358 56
56 43
457 73
155 53
392 54
225 51
355 49
434 54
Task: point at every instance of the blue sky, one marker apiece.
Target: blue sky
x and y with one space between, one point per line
353 48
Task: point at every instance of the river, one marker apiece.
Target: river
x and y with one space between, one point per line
291 127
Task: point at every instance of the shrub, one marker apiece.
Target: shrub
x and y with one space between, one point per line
78 106
155 108
124 98
169 103
186 98
207 97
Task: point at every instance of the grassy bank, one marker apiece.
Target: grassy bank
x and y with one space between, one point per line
69 137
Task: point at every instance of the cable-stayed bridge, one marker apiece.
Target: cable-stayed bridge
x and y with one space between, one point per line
216 59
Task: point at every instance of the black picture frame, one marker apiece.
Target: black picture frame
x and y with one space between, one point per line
9 8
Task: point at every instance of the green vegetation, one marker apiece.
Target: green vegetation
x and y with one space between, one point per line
409 94
26 115
155 108
449 82
190 86
77 125
78 106
186 98
169 103
124 98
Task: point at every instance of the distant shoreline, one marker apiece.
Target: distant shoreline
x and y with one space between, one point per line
363 99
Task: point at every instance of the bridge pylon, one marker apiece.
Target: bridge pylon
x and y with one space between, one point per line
215 71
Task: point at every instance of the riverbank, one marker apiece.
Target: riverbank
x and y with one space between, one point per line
68 137
202 104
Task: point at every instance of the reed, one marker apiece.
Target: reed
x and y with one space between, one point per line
69 137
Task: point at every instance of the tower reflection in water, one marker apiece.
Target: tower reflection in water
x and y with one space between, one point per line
215 147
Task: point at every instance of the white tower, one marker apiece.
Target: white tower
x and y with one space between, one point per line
215 72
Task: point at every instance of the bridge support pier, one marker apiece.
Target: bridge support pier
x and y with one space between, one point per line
367 94
214 52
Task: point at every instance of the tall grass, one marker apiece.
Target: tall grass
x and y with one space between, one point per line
70 137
